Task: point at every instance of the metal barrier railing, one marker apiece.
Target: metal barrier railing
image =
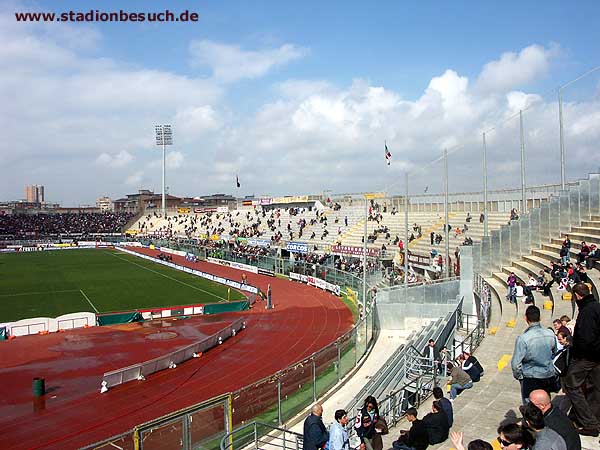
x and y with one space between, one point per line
137 371
261 435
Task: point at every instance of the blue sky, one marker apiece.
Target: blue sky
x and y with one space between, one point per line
303 91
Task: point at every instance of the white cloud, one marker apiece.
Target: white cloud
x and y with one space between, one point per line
192 122
301 89
516 69
68 109
174 160
135 179
232 63
117 161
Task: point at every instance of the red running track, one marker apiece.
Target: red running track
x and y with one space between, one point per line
305 319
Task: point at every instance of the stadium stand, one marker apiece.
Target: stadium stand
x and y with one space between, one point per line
26 226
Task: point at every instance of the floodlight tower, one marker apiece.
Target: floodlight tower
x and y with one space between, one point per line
164 137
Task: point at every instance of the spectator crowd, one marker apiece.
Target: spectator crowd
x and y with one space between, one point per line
27 226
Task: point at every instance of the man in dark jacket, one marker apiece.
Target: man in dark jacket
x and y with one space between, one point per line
436 424
315 433
414 439
584 368
445 404
555 419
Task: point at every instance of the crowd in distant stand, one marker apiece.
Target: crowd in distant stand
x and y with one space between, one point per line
564 273
21 226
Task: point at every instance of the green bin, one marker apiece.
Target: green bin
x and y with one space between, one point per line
39 387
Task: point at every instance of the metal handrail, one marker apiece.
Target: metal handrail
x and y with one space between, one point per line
274 439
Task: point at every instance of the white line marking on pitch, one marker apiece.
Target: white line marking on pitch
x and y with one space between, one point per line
89 301
167 276
37 293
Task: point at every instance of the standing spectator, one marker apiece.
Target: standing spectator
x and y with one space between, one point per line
432 237
431 353
414 439
338 436
365 423
532 358
584 369
459 380
315 434
446 404
436 424
545 437
511 281
567 244
555 419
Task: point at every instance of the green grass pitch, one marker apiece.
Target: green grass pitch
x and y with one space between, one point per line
52 283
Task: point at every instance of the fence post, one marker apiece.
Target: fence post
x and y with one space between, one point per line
314 377
228 413
185 432
279 421
136 439
255 436
339 360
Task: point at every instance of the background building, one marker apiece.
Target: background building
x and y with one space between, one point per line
34 193
104 204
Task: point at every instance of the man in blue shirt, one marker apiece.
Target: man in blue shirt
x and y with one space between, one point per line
338 436
532 359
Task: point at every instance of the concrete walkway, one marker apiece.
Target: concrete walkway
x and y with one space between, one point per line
387 343
479 411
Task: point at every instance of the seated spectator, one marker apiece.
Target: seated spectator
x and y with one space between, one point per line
436 424
558 327
567 322
468 218
477 444
414 439
514 436
593 257
470 359
545 437
555 419
583 253
459 380
470 369
446 404
548 281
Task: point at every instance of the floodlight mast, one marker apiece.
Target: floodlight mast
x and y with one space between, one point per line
164 137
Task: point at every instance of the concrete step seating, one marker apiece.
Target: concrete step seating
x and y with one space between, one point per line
478 411
350 235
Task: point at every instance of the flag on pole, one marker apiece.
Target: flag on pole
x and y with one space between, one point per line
388 155
237 181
